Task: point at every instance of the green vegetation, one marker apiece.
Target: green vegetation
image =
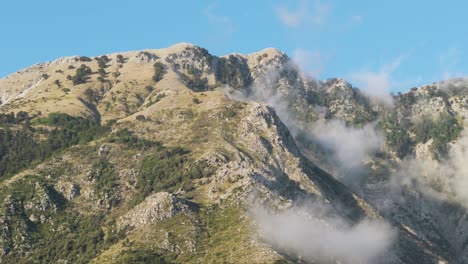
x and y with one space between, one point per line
442 130
195 80
91 95
120 59
140 118
105 177
168 169
127 137
62 235
84 59
233 71
21 146
140 256
102 72
81 75
102 61
159 71
149 88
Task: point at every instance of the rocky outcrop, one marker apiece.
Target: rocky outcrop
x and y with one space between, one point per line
156 207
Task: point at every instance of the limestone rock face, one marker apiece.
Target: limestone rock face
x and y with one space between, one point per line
156 207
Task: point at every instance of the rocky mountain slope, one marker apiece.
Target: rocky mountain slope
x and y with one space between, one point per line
178 156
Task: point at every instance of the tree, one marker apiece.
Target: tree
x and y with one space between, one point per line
85 59
90 95
81 75
120 59
102 72
159 71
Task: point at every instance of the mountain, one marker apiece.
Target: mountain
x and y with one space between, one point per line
179 156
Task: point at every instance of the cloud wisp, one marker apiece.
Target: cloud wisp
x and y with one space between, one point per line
377 85
306 233
438 179
304 15
311 62
348 146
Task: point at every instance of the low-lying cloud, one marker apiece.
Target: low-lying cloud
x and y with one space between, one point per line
349 146
438 178
377 85
300 232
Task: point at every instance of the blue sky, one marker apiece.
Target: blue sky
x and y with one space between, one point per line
385 46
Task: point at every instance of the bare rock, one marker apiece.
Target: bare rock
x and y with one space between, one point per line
157 207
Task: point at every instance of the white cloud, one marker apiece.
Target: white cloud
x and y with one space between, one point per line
302 15
378 85
438 179
311 62
349 145
305 232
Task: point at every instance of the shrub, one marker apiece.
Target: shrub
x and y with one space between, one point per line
149 88
140 118
196 101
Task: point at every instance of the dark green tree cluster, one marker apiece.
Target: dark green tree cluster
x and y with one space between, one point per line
69 236
121 59
168 169
195 80
159 71
105 177
127 137
233 71
81 75
442 130
21 147
7 119
84 59
136 256
102 61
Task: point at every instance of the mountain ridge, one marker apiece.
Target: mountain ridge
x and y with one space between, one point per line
230 126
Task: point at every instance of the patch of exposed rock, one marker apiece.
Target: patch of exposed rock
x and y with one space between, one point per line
157 207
